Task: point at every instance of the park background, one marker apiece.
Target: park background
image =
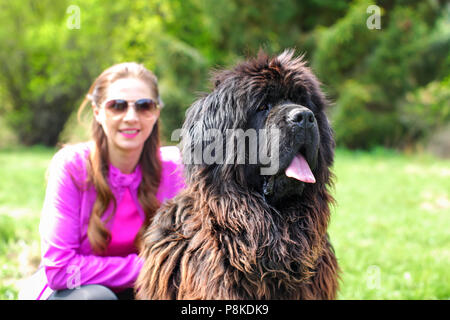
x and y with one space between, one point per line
388 81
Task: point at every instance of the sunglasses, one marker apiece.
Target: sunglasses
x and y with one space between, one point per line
144 107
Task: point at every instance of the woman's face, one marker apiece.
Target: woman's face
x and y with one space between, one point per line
128 130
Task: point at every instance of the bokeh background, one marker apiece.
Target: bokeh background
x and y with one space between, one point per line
389 87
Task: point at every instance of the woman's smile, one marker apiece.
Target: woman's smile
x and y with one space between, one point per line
129 133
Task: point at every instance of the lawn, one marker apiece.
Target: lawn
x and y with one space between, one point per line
22 191
390 227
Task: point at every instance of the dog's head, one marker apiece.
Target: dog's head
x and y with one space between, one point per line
262 127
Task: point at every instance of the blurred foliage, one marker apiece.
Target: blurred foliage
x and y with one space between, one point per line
439 142
358 126
426 109
46 67
342 49
7 232
379 79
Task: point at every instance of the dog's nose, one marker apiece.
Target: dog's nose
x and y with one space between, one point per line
302 117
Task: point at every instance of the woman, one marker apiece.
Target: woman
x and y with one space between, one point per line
101 195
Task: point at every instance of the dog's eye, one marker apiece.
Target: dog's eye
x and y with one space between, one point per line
263 107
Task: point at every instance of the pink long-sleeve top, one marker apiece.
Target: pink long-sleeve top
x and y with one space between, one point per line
67 257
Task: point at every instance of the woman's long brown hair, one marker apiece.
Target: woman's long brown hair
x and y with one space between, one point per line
98 161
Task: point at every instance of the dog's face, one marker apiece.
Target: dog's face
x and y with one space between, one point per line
266 118
297 139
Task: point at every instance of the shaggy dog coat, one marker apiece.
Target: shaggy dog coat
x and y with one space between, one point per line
234 233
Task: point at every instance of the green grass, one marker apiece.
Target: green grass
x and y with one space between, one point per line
390 227
22 190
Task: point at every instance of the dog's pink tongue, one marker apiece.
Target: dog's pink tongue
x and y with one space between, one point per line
299 169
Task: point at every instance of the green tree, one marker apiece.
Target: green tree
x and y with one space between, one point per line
370 72
47 65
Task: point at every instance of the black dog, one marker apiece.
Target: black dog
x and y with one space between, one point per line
252 224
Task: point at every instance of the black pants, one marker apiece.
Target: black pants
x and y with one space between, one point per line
92 292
